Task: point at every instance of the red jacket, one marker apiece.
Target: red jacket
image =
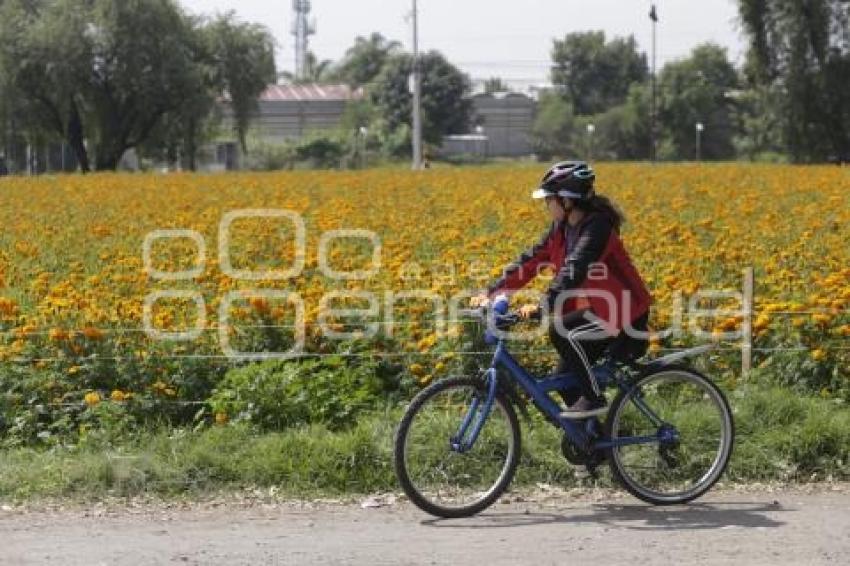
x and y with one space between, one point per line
597 272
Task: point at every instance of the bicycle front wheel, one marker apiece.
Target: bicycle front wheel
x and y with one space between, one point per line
438 477
693 430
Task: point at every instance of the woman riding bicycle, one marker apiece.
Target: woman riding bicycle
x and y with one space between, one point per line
597 298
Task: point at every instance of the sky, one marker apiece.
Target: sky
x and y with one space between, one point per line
485 38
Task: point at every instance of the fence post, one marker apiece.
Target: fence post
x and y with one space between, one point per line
747 324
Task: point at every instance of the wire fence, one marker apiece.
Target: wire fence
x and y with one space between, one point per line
837 344
845 345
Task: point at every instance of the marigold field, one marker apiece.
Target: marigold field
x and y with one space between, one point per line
73 282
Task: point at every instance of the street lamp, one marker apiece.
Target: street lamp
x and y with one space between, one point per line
590 129
699 128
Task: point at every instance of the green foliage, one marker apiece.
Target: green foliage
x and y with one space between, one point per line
243 56
48 406
601 83
326 149
621 132
797 371
803 48
87 72
445 103
784 435
552 131
303 461
759 111
357 114
321 151
596 74
315 71
695 90
280 394
394 143
781 436
365 59
267 156
495 84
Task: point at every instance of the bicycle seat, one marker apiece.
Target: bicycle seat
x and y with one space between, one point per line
625 348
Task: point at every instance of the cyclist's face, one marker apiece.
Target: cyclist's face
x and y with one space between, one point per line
556 208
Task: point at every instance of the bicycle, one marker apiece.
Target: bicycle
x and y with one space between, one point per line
667 435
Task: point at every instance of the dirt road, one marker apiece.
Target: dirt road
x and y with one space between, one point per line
760 525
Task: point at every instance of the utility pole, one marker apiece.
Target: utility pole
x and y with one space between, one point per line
653 15
417 94
302 30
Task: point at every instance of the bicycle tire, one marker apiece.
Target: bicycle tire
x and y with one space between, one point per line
400 443
643 493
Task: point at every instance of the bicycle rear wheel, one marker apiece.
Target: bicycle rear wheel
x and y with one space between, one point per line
437 477
695 436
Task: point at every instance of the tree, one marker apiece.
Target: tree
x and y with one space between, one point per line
446 106
803 50
364 60
696 90
552 131
595 74
243 66
760 113
106 75
46 60
622 132
495 84
234 62
315 71
11 110
134 78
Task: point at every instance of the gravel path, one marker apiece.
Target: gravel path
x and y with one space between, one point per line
748 525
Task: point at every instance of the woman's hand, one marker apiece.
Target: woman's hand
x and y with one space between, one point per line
528 311
481 300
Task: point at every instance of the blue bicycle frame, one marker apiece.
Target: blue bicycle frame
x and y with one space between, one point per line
580 432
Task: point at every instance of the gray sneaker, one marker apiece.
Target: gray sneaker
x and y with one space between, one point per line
584 408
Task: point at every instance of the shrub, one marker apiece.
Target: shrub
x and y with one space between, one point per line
285 393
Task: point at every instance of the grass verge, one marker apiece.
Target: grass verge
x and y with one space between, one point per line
781 436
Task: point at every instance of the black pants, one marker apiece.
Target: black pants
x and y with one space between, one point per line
581 342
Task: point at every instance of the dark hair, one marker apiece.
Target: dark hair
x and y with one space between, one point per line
604 205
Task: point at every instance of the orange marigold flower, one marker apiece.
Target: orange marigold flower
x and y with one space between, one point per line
92 333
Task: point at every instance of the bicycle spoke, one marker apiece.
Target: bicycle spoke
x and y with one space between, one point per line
689 405
444 476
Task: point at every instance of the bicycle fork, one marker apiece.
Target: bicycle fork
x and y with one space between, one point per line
475 416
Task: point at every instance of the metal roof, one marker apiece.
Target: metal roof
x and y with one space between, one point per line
310 92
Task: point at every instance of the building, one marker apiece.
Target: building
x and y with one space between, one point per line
503 122
287 112
18 157
502 127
